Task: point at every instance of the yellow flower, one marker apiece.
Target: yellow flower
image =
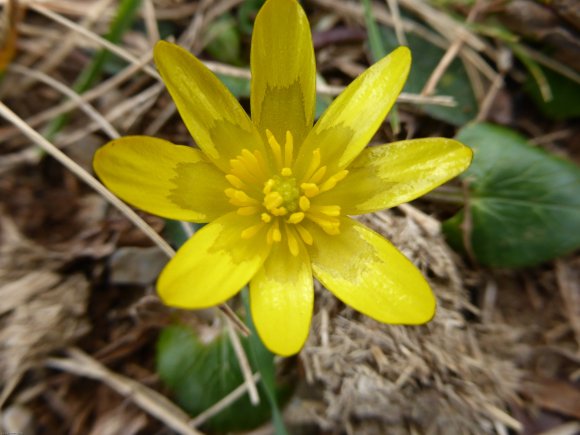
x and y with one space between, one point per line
277 190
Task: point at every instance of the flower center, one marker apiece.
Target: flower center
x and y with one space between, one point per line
281 203
281 195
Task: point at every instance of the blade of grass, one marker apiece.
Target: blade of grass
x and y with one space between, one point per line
534 70
125 14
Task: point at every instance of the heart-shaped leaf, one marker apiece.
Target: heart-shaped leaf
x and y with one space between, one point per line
524 204
200 374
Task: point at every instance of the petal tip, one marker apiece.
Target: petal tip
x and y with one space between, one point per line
160 46
403 55
283 349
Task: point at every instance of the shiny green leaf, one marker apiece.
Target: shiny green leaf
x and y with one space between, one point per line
524 204
200 374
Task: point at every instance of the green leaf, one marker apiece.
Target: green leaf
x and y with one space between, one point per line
200 374
524 204
247 13
238 86
223 40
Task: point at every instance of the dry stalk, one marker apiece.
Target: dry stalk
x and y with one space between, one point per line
244 364
155 404
70 93
223 403
150 19
76 169
397 22
451 52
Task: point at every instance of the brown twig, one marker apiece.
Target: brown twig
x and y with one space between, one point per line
155 404
451 53
244 364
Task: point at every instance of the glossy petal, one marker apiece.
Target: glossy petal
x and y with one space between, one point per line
353 118
213 265
173 181
215 119
282 297
369 274
388 175
283 70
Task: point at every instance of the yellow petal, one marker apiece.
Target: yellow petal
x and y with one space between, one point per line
214 118
168 180
353 118
282 297
388 175
369 274
283 70
213 265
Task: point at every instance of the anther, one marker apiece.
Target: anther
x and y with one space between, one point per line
292 242
235 181
248 211
275 146
288 149
295 218
314 164
273 200
305 234
328 210
318 175
310 189
332 181
250 232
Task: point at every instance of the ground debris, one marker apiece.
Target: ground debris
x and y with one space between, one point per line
42 309
438 378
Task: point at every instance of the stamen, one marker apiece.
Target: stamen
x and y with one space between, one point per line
304 234
286 172
275 146
273 200
248 211
328 210
239 169
261 163
310 189
250 232
274 234
332 181
304 203
268 186
252 163
288 149
318 175
240 198
235 181
295 218
265 217
330 225
314 164
292 242
280 211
